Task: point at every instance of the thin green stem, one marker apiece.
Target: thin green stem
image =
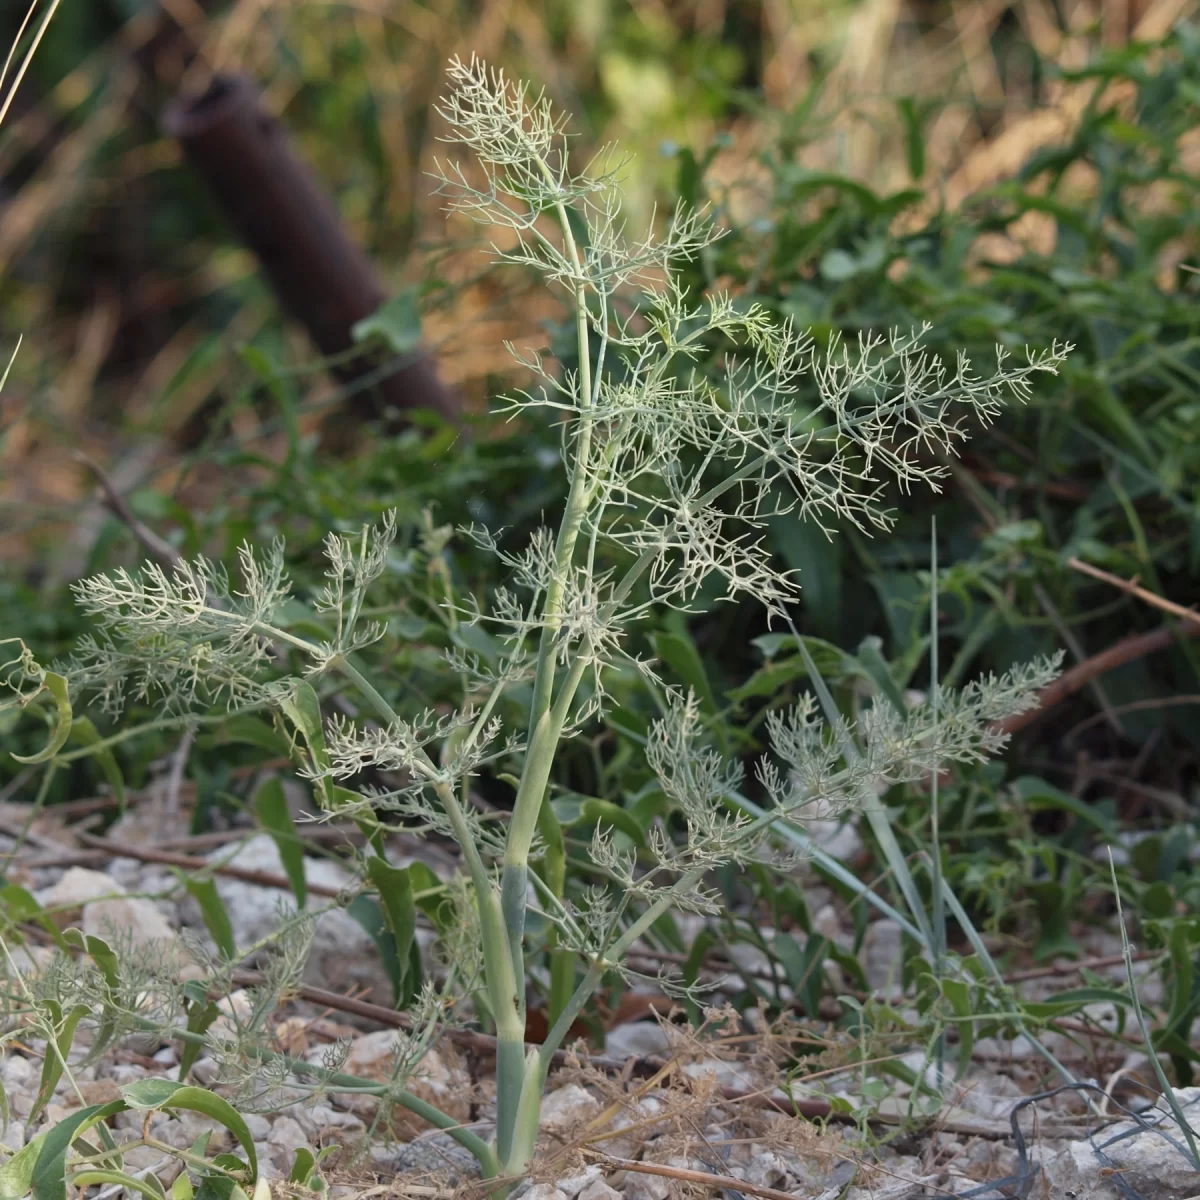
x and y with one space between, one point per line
504 991
382 708
612 956
939 906
126 735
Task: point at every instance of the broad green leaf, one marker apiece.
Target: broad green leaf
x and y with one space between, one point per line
16 1174
838 265
650 803
52 1064
1054 913
870 655
1081 996
201 1013
271 808
1037 795
817 560
831 662
49 1178
958 992
1158 901
396 898
1175 1035
804 967
102 954
302 1167
851 965
554 859
477 639
221 1187
166 1094
367 911
431 896
216 918
303 709
17 904
1181 976
57 686
625 721
148 1185
149 1093
573 809
396 322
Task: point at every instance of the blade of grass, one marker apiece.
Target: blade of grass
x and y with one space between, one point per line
827 863
1167 1090
939 904
37 38
872 807
981 952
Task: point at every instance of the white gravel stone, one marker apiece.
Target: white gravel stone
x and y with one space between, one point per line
79 886
285 1138
1148 1163
12 1135
568 1106
544 1191
646 1187
16 1071
599 1190
637 1039
132 917
572 1185
343 957
881 953
259 1126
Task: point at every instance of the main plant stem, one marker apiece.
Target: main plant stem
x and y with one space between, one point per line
516 1074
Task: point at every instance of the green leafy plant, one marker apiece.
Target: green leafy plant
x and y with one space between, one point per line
671 478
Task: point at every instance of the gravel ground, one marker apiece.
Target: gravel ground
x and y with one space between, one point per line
685 1127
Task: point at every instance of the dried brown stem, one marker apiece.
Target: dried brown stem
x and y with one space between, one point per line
1132 587
163 551
186 862
1084 964
708 1179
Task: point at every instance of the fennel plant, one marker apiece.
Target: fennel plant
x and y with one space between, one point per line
671 478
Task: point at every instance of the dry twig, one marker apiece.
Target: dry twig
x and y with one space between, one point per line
1134 589
163 551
